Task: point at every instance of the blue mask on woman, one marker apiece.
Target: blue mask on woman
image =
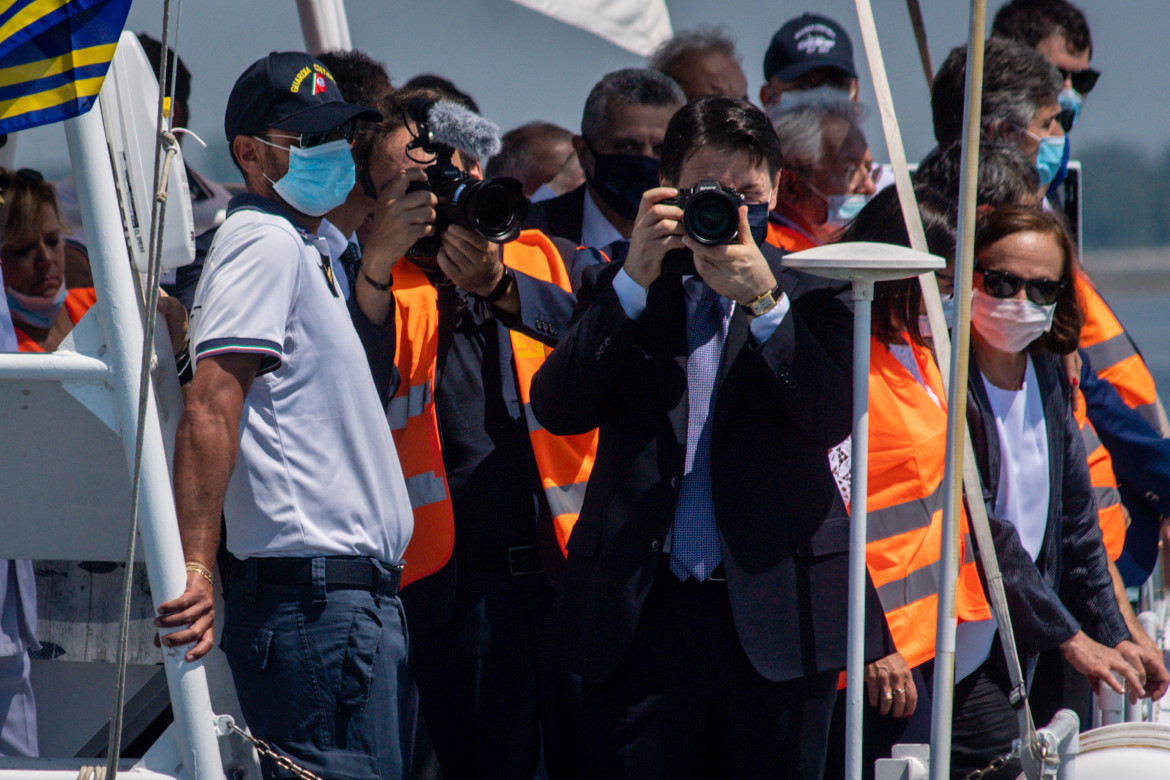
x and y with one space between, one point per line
1049 158
34 310
319 178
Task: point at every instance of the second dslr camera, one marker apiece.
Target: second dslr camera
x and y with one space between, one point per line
710 217
493 208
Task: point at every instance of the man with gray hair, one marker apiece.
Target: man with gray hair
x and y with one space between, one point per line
622 129
828 173
703 61
1020 102
540 156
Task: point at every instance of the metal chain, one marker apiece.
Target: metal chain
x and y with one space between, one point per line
263 749
997 764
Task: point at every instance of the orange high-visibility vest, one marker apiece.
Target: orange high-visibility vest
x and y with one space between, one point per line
787 238
564 462
77 302
1110 514
907 450
1115 359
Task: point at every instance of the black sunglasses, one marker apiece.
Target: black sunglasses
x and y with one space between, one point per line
1082 81
24 176
1001 284
348 131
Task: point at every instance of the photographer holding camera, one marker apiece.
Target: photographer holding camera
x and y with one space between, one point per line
706 575
466 306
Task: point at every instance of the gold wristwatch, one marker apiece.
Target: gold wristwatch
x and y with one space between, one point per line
765 303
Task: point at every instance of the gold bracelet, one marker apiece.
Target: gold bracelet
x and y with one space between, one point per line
203 571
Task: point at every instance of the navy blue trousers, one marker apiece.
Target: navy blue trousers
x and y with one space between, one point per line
321 674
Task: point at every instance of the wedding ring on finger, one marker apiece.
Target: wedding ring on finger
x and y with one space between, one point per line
899 692
887 696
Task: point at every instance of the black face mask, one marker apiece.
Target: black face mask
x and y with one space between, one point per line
620 179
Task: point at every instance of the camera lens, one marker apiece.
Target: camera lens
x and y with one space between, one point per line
712 218
494 208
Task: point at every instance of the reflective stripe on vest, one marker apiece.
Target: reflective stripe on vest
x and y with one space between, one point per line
907 453
1115 359
414 425
1110 513
564 463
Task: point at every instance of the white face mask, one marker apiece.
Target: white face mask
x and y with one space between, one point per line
948 307
791 98
1009 324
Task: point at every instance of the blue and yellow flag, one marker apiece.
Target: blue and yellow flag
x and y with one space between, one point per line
54 55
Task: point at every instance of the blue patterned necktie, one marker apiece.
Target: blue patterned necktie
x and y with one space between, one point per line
350 260
695 543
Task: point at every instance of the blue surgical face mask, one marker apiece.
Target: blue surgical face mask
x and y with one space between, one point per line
1050 158
34 310
840 209
843 208
620 179
319 178
757 217
1071 103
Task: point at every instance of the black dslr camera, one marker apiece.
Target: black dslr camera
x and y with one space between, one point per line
494 208
710 216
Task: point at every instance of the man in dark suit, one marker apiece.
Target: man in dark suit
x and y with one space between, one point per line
705 591
621 136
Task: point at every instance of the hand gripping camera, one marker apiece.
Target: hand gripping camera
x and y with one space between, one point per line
710 216
493 208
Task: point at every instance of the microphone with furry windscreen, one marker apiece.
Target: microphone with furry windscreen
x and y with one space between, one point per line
494 208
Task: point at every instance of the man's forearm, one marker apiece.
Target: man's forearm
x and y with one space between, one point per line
205 452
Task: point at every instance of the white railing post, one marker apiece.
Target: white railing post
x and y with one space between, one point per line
120 318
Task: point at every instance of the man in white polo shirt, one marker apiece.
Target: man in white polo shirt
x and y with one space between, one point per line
284 432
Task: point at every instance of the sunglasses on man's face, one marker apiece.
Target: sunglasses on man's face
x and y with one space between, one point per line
347 131
1082 81
1001 284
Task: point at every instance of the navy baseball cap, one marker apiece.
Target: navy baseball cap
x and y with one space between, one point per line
808 42
288 90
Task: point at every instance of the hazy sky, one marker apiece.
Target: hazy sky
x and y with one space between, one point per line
521 65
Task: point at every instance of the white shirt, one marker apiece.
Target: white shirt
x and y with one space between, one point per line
1022 495
317 472
337 243
596 230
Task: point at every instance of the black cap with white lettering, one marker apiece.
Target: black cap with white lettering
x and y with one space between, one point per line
806 43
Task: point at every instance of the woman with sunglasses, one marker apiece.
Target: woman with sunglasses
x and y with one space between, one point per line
907 453
1024 314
